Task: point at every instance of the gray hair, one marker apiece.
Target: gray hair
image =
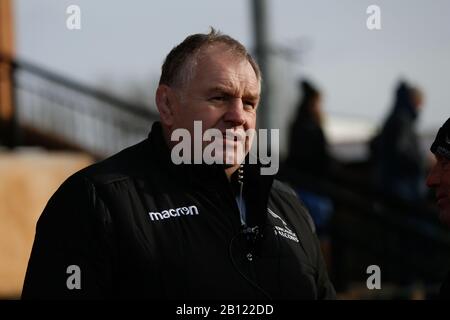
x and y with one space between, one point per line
180 64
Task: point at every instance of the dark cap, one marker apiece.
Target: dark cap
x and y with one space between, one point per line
441 144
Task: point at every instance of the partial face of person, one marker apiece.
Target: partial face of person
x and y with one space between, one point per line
316 109
439 179
223 94
417 99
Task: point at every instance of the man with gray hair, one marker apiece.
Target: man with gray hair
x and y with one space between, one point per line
142 225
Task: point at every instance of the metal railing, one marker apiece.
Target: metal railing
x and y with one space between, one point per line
89 119
406 240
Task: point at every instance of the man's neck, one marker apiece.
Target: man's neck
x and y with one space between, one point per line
230 170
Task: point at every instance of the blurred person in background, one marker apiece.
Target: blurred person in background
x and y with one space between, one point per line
399 163
439 180
311 160
310 165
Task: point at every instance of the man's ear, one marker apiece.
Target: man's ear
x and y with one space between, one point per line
165 104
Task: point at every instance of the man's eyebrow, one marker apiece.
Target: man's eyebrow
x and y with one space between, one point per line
254 95
225 89
251 95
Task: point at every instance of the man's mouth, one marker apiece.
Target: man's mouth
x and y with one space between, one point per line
232 141
234 137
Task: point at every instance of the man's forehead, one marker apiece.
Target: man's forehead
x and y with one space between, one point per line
219 52
228 72
234 83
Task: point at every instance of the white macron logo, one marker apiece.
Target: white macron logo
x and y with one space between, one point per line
172 213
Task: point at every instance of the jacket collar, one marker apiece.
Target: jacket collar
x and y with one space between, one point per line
256 188
190 173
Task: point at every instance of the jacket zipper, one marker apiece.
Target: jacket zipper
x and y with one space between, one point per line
243 214
241 199
248 231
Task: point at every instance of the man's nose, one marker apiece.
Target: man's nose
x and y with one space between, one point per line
433 178
235 113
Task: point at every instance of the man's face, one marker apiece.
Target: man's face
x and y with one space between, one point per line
439 179
223 94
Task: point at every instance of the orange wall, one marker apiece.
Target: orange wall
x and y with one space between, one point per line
27 181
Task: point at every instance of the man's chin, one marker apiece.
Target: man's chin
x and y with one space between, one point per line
229 165
233 160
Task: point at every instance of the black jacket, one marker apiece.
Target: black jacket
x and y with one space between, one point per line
308 149
309 164
396 149
444 293
139 226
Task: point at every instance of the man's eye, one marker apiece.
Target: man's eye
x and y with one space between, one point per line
218 98
249 105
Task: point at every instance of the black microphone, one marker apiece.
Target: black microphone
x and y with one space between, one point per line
251 231
253 235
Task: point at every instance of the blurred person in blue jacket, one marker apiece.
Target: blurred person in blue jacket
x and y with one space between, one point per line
309 156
